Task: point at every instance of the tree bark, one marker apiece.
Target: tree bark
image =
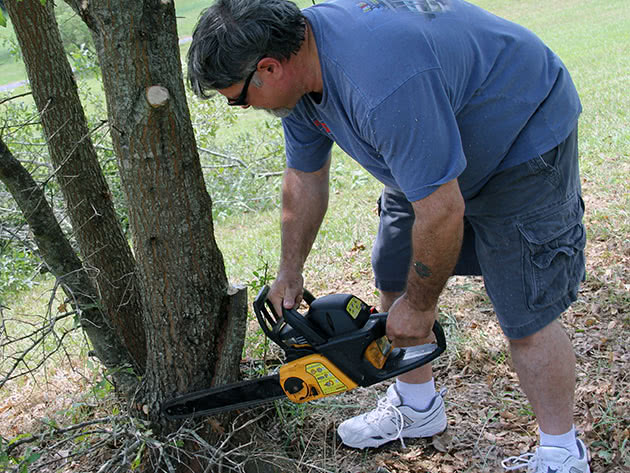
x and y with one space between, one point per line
194 322
63 263
98 232
193 339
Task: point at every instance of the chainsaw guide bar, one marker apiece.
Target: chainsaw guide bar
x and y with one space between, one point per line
234 396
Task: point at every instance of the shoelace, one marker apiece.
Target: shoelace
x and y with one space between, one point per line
520 461
382 410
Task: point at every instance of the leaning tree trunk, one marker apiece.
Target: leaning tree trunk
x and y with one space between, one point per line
102 243
195 331
61 260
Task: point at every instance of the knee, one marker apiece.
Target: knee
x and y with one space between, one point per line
552 333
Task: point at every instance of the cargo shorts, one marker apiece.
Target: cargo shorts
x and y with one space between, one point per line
523 233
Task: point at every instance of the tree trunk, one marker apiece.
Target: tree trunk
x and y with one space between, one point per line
88 200
192 335
61 260
177 286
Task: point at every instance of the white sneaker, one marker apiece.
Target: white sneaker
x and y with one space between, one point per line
391 420
550 460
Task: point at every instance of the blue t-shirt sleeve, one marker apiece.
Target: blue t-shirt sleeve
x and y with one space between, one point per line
415 132
306 149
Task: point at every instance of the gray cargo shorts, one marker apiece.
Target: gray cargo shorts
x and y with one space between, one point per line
523 233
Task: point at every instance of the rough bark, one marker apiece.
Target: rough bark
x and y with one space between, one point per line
191 342
88 199
193 321
62 261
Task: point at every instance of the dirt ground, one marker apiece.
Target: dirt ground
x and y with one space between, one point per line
489 417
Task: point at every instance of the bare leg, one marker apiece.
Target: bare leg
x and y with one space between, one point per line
545 364
419 375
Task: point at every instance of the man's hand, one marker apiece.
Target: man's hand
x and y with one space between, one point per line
286 291
407 326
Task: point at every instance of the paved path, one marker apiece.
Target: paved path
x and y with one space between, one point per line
11 86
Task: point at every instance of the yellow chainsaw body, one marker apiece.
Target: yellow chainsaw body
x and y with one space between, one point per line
315 376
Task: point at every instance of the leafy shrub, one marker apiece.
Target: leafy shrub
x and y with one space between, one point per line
18 266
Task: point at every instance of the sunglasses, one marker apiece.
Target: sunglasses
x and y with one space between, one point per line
241 100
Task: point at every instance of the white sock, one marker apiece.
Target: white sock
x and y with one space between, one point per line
416 396
566 441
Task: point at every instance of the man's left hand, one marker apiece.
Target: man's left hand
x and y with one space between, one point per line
407 326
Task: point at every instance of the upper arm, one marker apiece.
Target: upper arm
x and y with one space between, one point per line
306 148
306 186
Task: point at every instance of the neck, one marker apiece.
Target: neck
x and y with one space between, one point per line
311 69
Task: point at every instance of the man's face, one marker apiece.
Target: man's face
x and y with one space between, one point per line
264 89
275 103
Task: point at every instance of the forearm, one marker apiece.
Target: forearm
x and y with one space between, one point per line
437 239
304 204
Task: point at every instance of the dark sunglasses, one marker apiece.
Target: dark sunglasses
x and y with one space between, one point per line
241 100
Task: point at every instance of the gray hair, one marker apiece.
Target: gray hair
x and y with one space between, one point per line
233 35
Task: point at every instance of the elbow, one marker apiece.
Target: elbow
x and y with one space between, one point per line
458 207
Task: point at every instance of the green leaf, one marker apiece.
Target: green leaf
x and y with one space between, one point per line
3 20
136 461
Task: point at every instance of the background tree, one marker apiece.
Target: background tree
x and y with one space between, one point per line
170 306
61 260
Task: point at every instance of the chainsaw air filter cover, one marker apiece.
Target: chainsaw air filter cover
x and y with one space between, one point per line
337 314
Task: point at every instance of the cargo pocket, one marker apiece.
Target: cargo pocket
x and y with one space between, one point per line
553 254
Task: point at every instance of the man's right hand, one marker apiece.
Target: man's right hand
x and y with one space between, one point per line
286 291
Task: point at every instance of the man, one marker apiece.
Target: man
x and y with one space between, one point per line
470 121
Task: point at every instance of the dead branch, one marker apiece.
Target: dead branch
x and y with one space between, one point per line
13 97
60 431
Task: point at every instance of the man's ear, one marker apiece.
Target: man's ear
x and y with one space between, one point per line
270 68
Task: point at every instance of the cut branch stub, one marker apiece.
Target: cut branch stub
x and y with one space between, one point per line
157 96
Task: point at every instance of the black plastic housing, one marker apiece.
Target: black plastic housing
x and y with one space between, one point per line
328 328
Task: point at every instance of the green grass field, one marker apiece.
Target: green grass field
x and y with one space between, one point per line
492 416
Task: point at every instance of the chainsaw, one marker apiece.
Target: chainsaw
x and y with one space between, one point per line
337 345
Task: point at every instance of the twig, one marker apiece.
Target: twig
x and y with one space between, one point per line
58 431
15 97
224 156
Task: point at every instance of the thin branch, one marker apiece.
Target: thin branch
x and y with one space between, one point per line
7 99
58 431
224 156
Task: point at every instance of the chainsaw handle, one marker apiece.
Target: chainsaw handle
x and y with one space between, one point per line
268 318
347 352
380 328
400 360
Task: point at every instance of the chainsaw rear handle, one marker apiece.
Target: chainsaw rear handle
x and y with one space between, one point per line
400 360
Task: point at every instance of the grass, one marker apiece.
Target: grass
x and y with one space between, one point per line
493 418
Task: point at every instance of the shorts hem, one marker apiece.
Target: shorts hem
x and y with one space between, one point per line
540 322
391 286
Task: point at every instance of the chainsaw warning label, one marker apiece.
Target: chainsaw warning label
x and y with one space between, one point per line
354 307
328 383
